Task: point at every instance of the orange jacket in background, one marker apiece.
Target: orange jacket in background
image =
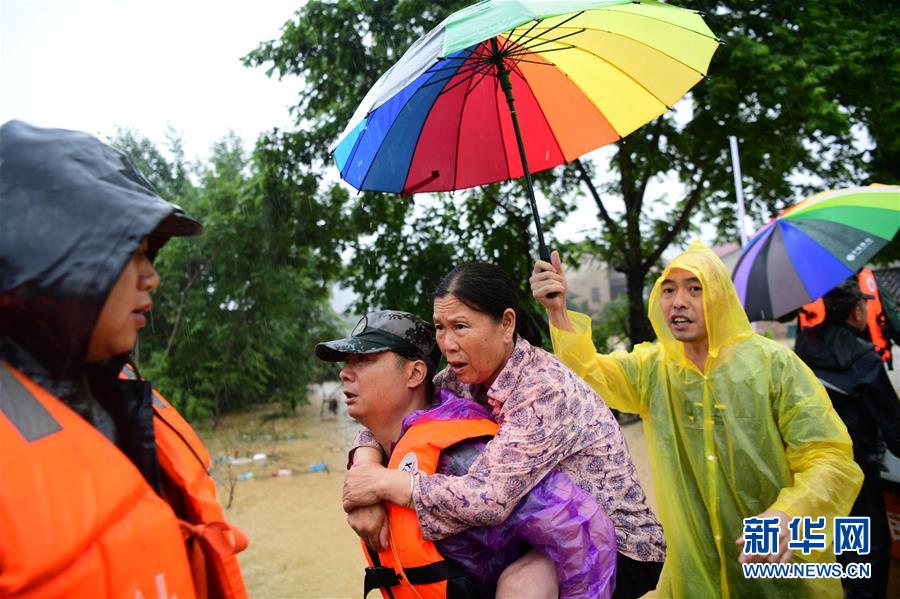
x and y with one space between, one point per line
876 316
814 313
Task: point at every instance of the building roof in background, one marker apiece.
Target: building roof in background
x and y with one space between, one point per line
888 279
725 249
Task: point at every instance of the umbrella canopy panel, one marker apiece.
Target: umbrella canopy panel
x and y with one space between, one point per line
814 245
583 74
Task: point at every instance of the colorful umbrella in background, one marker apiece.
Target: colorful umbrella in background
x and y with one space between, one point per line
576 75
812 246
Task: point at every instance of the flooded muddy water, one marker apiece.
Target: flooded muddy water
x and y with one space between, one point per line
300 544
289 507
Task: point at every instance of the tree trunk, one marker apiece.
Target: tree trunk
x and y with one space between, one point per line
639 328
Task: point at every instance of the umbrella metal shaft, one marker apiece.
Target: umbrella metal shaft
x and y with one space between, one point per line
506 86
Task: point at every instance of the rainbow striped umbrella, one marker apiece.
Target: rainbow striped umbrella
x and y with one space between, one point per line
573 76
812 246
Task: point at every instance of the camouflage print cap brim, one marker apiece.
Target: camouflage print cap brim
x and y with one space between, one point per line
386 330
339 349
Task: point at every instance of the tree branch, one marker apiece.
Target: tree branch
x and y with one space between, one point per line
516 216
645 176
607 219
512 214
183 300
222 387
679 226
633 246
625 179
181 303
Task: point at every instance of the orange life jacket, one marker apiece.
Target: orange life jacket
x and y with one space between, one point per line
814 313
411 567
77 519
212 544
875 312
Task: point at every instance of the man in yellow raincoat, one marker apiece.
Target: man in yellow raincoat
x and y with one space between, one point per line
736 425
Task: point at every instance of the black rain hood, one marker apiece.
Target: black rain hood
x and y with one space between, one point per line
838 354
73 210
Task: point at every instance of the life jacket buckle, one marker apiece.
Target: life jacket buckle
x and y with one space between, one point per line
379 577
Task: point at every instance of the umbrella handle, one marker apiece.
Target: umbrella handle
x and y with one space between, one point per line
544 253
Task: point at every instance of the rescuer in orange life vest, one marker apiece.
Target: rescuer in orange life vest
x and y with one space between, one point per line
103 486
391 358
881 316
864 398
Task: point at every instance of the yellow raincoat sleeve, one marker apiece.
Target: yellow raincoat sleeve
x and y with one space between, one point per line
818 449
615 377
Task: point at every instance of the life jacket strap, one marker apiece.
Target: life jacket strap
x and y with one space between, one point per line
211 537
432 573
379 577
220 537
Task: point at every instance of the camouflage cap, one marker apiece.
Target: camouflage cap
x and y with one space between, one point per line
386 330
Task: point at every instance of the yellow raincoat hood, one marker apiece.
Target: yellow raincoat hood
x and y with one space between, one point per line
755 431
726 321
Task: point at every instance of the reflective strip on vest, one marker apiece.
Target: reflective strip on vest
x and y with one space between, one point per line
129 374
24 410
76 511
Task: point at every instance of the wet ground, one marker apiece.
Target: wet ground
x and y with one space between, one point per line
289 502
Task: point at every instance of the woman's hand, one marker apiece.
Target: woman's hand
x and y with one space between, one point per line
371 524
361 485
547 278
367 484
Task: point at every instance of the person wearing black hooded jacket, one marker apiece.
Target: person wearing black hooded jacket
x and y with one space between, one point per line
857 383
103 486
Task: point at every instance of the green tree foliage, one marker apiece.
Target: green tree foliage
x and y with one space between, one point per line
809 89
240 308
794 83
611 327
